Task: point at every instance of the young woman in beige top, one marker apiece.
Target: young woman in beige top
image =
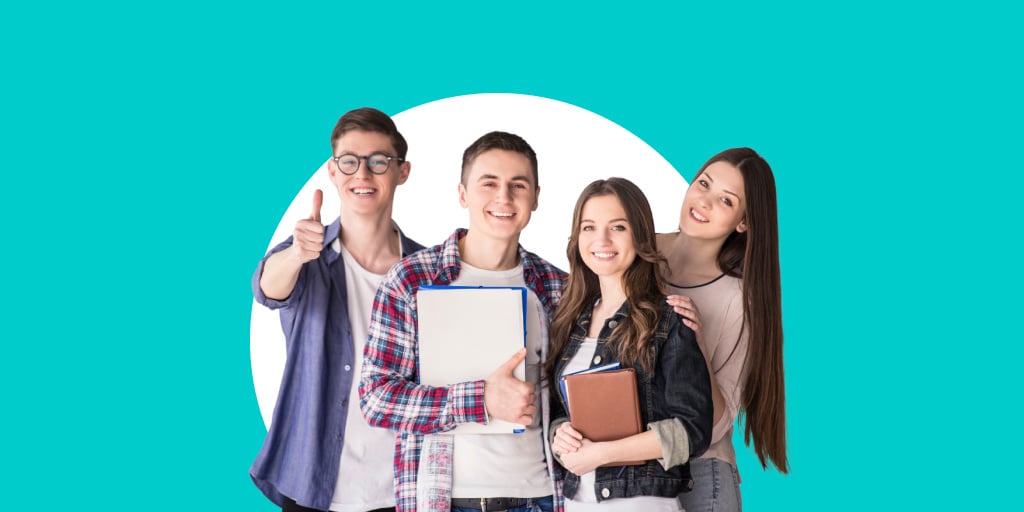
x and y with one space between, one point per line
723 271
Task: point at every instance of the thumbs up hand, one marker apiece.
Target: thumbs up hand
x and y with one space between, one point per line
508 398
308 237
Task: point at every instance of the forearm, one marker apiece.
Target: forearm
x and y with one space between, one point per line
280 273
642 446
391 401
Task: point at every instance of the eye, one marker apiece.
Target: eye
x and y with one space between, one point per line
703 183
520 186
727 201
587 228
619 227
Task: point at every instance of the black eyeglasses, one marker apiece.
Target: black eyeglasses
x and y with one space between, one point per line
377 163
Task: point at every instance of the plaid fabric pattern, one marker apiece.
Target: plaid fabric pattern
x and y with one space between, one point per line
388 392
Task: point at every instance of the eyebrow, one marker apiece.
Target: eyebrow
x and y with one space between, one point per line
621 219
521 177
386 151
724 190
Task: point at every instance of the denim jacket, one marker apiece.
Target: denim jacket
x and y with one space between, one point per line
679 389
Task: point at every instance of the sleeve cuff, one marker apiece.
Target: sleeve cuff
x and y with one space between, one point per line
467 402
257 290
674 441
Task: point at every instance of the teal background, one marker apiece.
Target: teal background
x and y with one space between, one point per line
148 152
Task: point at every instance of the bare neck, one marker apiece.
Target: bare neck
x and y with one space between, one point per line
372 241
488 253
612 295
691 261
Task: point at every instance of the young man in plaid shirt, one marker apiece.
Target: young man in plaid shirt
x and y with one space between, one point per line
438 472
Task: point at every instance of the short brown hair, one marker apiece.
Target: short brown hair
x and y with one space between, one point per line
499 140
370 120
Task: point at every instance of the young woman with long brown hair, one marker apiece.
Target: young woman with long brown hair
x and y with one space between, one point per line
723 271
614 308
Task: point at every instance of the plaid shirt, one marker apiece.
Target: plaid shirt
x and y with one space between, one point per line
388 392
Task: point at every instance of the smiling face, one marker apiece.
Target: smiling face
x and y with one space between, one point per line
715 203
500 194
364 192
605 237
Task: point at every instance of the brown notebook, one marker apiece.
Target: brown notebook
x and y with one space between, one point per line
604 406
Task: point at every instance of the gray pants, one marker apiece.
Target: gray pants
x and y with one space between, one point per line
716 487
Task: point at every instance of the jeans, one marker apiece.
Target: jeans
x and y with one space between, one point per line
716 487
546 504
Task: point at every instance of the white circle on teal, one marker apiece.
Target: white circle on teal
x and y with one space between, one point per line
574 147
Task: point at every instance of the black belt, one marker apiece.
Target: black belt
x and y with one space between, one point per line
491 504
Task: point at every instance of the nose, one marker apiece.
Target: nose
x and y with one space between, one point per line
505 193
703 201
363 167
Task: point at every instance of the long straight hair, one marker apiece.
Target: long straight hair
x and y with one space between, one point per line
753 257
642 282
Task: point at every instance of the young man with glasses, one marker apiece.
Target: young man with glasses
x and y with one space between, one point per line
435 471
320 454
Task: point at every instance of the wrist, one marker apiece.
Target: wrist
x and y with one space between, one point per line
294 255
604 453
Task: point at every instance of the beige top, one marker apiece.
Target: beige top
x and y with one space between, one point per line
720 303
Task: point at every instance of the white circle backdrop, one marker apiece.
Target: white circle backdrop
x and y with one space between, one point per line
574 147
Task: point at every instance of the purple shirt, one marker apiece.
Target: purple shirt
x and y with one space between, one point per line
300 454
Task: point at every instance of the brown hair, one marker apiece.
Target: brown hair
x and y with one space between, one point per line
753 256
499 140
642 282
369 120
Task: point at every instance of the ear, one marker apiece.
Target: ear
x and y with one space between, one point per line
742 226
462 196
331 169
403 172
536 199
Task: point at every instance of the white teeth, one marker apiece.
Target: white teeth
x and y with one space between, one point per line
362 191
604 254
502 214
698 216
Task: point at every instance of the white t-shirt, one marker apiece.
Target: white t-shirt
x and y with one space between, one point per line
366 478
504 465
585 499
